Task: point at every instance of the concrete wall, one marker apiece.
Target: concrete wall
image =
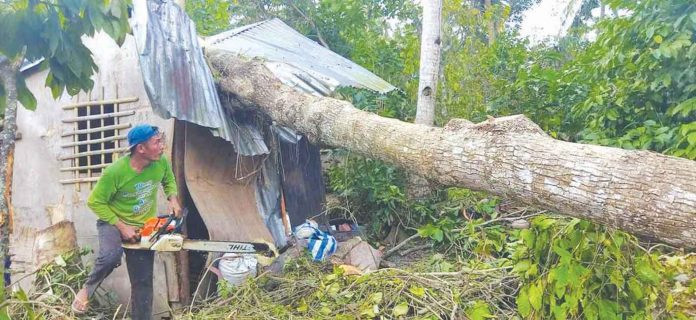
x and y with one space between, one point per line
40 200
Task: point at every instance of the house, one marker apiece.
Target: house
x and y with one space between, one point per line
233 168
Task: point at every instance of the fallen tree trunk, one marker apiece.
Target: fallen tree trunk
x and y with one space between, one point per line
641 192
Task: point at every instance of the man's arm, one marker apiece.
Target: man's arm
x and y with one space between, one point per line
98 201
170 190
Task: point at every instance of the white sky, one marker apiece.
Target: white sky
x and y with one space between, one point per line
546 19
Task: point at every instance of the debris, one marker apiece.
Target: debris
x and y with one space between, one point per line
53 241
294 251
320 243
54 287
344 229
358 253
350 270
416 248
519 224
309 290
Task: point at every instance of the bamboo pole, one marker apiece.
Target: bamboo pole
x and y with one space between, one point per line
80 143
101 116
113 127
79 180
91 103
78 168
90 153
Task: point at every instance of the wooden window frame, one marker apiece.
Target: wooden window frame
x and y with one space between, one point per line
96 138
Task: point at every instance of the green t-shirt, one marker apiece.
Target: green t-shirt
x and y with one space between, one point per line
122 193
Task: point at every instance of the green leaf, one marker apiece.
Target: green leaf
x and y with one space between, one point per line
608 309
24 96
522 266
400 309
684 108
590 310
645 271
376 297
417 291
559 312
523 306
635 288
28 307
535 296
691 138
617 278
478 311
543 223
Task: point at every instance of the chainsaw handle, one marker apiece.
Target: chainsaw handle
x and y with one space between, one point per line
178 224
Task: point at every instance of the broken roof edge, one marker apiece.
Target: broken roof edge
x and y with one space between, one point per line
275 42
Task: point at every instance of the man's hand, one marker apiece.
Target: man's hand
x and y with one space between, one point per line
174 207
128 233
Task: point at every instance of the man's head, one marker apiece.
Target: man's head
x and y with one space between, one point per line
146 141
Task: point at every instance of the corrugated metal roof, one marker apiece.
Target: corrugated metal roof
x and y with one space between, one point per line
179 82
177 78
296 60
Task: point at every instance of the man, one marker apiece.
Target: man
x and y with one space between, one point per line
123 198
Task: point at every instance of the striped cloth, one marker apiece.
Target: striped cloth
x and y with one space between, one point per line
320 243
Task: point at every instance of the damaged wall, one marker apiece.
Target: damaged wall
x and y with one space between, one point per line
40 200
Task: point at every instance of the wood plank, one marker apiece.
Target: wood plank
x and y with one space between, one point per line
54 241
182 257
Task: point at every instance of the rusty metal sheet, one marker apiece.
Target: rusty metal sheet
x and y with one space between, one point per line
222 186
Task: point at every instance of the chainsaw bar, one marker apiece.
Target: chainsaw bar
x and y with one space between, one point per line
225 246
208 246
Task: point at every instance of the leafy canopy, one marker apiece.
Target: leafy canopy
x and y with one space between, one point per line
52 30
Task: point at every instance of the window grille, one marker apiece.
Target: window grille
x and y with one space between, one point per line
96 138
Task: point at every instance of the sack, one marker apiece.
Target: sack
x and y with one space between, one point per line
235 268
320 243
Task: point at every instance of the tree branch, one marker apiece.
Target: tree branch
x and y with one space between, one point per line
311 22
642 192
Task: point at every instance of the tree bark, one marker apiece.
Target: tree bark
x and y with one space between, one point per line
641 192
429 71
429 62
490 24
8 76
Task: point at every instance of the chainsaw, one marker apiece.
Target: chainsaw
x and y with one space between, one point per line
163 233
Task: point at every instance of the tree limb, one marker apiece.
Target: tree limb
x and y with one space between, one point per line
641 192
311 22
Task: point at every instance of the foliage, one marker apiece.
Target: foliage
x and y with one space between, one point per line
52 30
308 290
53 290
373 188
575 269
210 16
630 87
633 87
394 104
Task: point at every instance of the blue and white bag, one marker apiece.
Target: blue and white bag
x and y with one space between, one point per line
320 243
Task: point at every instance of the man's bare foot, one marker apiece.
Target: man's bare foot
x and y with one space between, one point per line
81 302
